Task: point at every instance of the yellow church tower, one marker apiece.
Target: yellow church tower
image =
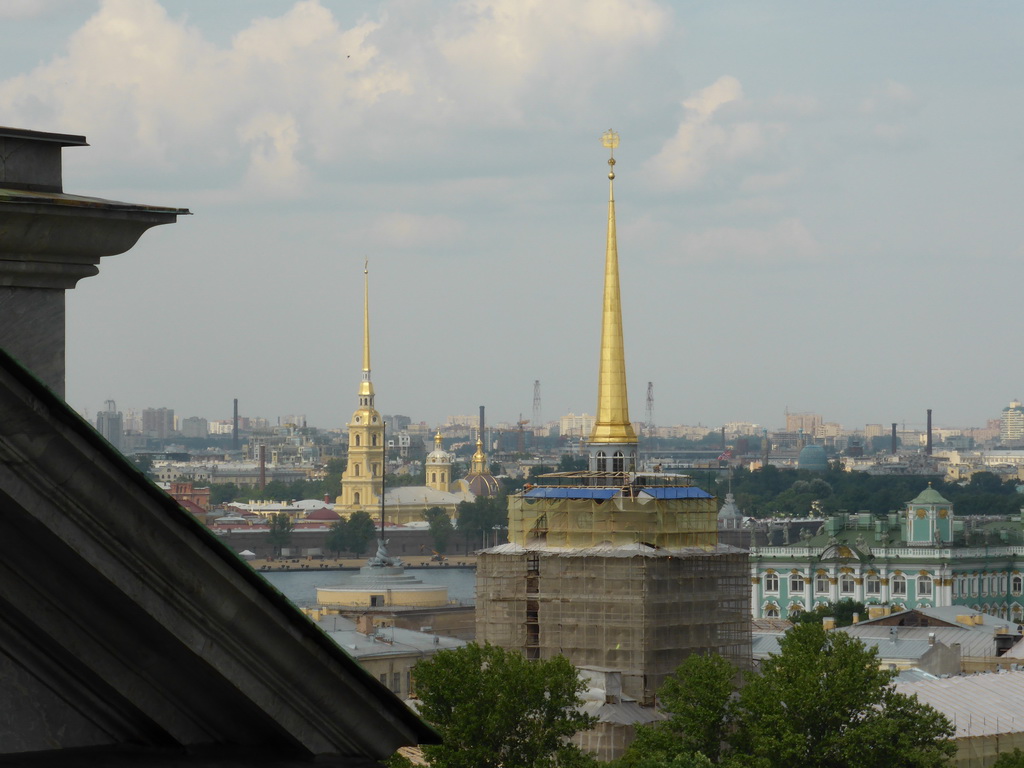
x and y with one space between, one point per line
439 466
362 481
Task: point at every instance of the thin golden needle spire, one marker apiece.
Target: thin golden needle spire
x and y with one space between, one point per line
612 424
366 386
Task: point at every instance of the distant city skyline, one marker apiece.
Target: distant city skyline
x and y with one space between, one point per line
470 420
816 203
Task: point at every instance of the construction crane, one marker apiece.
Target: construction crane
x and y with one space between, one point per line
536 403
649 416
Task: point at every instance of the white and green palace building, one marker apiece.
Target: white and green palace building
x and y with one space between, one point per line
920 557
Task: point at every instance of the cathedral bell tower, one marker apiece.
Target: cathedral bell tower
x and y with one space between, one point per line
361 483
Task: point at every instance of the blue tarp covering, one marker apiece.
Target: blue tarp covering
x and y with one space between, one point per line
669 492
602 494
571 492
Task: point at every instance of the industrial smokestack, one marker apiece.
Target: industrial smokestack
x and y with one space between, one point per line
928 445
894 438
263 467
234 428
483 440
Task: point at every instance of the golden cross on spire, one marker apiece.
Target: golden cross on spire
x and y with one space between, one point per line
610 139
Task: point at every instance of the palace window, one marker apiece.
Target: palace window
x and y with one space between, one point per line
821 583
873 585
433 477
795 610
617 463
924 586
796 584
1017 584
846 584
373 440
899 585
355 470
602 464
771 582
355 498
771 611
358 440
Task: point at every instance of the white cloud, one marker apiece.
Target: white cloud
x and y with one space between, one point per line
272 140
153 92
710 136
503 54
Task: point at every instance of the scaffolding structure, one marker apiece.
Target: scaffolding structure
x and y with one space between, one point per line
635 608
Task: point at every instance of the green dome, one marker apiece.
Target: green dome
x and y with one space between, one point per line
930 496
812 457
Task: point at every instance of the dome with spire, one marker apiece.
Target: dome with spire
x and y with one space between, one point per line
439 455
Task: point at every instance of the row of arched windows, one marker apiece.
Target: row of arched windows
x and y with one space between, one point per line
618 461
848 584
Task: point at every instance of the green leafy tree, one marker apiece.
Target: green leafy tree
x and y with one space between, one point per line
496 709
222 493
476 519
361 531
841 610
822 702
441 528
698 698
337 537
570 463
281 527
1013 759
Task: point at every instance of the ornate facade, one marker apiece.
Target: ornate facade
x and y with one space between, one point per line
920 557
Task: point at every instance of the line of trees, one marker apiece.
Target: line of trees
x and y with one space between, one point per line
792 492
822 702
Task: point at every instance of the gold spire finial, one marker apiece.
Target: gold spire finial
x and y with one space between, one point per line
612 424
365 385
610 139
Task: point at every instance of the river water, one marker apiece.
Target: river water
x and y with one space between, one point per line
300 586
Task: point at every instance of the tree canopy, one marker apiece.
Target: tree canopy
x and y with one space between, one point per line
791 492
441 528
280 531
821 702
496 709
360 531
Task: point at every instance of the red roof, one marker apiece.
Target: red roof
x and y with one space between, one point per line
324 513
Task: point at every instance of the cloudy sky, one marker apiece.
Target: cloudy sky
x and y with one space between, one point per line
818 202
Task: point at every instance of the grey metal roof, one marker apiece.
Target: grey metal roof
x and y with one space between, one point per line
977 705
388 641
972 642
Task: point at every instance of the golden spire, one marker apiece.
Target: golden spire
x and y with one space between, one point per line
478 466
366 386
612 424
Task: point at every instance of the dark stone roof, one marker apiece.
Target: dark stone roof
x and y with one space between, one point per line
126 627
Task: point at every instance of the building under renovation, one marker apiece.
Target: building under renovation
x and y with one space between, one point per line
615 568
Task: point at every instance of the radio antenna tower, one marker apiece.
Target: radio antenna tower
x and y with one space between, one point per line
649 417
536 404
